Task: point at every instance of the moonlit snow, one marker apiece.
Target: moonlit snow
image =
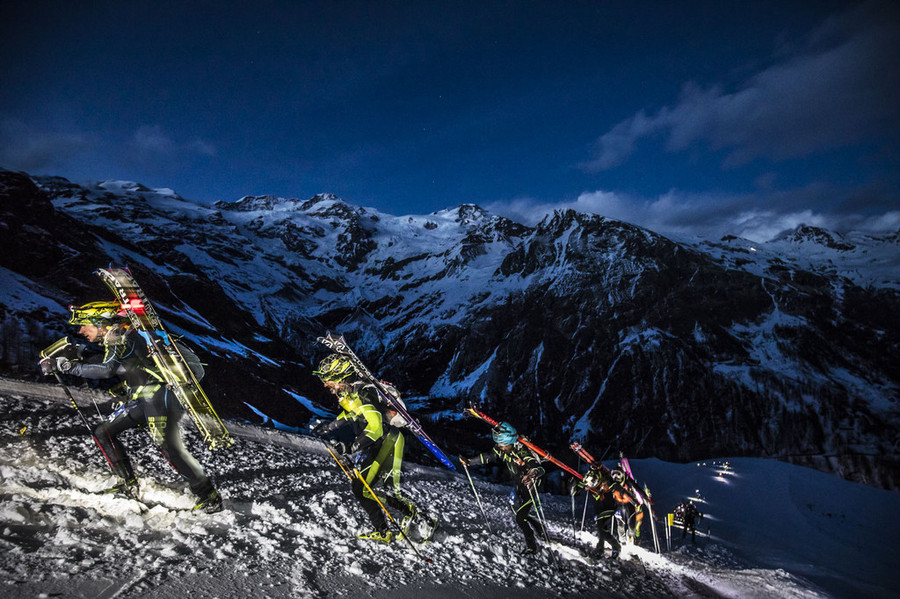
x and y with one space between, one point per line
290 523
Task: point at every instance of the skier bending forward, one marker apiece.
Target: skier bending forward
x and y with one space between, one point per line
378 443
150 403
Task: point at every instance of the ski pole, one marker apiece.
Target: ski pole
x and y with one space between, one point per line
391 518
336 459
84 419
574 526
477 498
539 510
584 512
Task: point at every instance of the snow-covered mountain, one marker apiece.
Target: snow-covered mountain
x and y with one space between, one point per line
289 526
579 327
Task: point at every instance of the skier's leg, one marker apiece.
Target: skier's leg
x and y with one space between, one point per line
369 471
126 417
522 508
164 415
604 520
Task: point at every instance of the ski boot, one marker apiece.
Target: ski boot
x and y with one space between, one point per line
210 504
385 536
129 489
407 522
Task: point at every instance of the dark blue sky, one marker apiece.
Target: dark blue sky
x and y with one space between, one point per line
696 117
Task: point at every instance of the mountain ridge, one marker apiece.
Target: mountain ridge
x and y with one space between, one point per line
578 327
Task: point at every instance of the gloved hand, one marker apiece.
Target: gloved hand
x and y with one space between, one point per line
51 365
529 477
338 447
47 366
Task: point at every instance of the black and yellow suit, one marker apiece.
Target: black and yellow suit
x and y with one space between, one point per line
150 404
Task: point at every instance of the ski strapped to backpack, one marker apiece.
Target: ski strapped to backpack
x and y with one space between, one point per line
472 411
339 346
174 366
588 458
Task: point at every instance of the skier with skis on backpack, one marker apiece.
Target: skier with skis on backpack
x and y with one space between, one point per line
599 481
631 508
378 444
150 402
526 471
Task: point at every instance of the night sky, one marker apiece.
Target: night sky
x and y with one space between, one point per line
687 117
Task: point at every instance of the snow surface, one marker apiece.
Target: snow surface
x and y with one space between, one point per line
290 523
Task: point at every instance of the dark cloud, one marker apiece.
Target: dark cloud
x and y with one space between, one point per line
24 148
759 217
841 89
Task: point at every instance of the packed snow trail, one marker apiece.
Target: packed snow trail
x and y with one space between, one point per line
289 529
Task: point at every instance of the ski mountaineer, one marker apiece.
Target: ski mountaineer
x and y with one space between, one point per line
628 503
688 513
378 444
610 495
526 470
150 403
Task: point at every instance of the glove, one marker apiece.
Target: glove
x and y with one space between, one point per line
339 448
47 366
51 365
529 477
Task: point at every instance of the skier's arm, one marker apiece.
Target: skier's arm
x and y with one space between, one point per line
373 430
107 369
482 458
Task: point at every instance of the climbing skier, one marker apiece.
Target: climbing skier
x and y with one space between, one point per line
688 513
628 503
378 444
526 471
150 403
603 488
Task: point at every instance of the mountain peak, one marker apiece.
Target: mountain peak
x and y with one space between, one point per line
253 203
807 233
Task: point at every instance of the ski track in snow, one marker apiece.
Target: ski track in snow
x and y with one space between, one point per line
289 529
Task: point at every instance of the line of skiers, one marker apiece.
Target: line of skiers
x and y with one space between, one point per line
367 437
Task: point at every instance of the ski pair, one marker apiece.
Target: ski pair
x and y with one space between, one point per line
167 356
472 411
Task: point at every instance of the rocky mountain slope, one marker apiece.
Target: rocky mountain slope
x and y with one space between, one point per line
578 327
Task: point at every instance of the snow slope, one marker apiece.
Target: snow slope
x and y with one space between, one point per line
290 523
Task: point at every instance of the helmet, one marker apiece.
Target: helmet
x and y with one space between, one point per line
334 368
504 434
592 478
97 314
618 476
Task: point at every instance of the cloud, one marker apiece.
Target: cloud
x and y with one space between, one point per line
707 215
150 142
841 88
24 148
